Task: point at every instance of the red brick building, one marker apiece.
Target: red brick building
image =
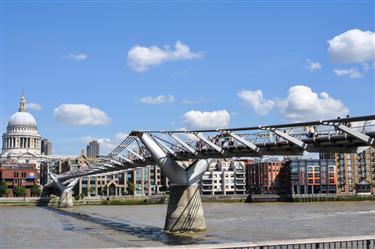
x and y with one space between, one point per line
19 174
268 177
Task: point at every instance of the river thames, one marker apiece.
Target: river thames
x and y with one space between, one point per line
124 226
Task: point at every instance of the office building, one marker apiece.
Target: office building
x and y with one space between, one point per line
46 147
93 149
312 176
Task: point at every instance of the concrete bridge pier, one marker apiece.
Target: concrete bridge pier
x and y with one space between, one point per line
66 199
66 196
185 212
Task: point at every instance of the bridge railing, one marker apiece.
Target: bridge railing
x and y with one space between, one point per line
184 145
351 242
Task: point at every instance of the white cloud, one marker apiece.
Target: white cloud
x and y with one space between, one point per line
193 101
141 58
75 56
106 145
207 120
256 101
353 73
33 106
80 114
161 99
313 66
353 46
120 136
303 104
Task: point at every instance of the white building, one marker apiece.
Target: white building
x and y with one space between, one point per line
21 141
224 177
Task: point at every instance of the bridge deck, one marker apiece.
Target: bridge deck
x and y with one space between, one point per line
347 135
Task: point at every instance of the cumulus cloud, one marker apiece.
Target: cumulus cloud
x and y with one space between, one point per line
353 73
193 101
141 58
105 144
75 56
33 106
303 104
161 99
80 114
120 136
255 100
353 46
207 120
312 66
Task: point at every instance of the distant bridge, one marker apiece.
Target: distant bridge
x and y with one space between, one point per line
185 155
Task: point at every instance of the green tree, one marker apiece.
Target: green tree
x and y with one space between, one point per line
19 191
3 189
35 190
131 188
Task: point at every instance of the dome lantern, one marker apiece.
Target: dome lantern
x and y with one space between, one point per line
22 104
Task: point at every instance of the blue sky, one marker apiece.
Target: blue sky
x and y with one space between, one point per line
116 66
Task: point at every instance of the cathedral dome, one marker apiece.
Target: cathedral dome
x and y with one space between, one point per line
22 119
22 134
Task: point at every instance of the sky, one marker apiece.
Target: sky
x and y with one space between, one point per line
100 69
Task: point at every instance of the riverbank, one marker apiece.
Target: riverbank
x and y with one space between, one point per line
163 199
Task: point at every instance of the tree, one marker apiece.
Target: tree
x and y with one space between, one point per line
35 190
131 188
19 191
3 189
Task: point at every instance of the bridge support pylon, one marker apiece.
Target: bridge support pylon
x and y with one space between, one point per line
185 212
66 199
66 196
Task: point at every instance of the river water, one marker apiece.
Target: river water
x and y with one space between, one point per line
124 226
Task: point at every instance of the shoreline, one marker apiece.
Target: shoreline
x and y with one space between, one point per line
163 199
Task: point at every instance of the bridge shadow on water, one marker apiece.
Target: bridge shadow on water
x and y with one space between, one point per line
149 233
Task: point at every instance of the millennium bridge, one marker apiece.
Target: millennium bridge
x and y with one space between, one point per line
184 156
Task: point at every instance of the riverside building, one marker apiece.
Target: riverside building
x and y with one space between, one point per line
224 178
312 176
138 182
355 172
18 175
270 176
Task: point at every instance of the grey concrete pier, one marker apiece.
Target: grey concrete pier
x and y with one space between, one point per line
185 211
66 199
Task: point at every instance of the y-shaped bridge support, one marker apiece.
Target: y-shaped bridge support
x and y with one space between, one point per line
66 197
185 211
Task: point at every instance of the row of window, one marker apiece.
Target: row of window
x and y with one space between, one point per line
16 174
